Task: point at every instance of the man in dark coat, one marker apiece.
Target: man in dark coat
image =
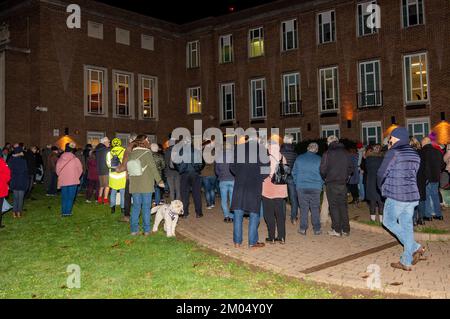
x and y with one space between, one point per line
433 166
336 167
247 193
101 150
397 179
19 179
287 150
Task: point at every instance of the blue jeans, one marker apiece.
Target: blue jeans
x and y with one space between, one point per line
113 197
398 219
68 194
141 201
253 225
362 191
309 200
419 211
209 185
432 203
226 193
292 192
18 201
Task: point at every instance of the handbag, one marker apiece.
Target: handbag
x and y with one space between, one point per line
5 207
281 174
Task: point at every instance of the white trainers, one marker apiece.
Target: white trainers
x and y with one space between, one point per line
334 233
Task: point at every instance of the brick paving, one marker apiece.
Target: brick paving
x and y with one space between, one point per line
430 278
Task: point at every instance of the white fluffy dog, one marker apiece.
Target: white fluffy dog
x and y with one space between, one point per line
170 213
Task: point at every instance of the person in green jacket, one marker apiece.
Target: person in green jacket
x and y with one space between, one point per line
117 181
142 186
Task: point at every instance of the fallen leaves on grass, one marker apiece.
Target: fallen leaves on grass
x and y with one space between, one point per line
115 245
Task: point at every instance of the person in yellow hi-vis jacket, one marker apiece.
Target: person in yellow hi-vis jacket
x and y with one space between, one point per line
117 181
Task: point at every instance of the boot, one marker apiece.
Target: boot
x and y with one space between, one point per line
113 209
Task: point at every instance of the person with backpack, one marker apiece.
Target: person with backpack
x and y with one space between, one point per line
5 176
143 174
117 181
69 170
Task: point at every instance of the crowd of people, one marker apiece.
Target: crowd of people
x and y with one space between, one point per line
400 181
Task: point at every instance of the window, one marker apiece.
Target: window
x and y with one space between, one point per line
124 138
258 98
412 12
291 94
419 127
193 54
369 84
194 100
416 78
328 130
296 133
226 49
148 97
289 35
95 99
227 102
94 138
95 30
329 90
363 17
122 36
123 94
371 133
147 42
256 42
326 26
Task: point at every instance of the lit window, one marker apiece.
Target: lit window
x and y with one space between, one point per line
327 27
94 138
289 35
95 89
226 48
123 94
291 94
418 127
371 133
148 89
194 100
227 102
296 134
193 54
416 78
328 130
412 12
258 98
369 84
363 18
256 44
329 89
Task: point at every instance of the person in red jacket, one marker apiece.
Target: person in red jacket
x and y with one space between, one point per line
5 176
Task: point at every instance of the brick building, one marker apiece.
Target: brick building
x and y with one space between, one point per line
312 68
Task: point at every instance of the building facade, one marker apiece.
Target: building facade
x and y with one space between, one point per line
311 68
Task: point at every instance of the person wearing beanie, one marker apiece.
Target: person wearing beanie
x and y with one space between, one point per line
19 179
69 170
117 181
160 165
397 180
433 165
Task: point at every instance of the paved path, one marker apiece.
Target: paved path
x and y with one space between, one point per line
340 261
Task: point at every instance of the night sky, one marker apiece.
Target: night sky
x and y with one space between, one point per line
184 11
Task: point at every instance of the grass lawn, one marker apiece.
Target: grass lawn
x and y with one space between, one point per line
36 250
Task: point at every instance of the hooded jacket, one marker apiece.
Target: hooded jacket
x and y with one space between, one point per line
336 165
19 172
397 176
433 163
5 176
69 170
